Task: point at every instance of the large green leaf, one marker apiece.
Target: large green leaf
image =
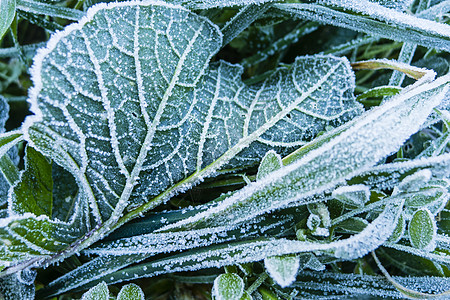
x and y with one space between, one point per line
127 102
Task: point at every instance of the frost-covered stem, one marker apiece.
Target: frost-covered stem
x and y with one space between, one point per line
245 16
407 52
257 283
281 44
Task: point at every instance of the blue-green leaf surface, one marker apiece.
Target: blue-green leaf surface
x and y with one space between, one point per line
127 102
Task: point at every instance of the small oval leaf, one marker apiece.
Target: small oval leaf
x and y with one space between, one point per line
422 230
98 292
228 286
131 292
270 162
282 269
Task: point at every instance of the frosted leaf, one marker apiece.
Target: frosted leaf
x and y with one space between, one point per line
282 269
127 102
28 233
422 230
228 286
130 292
4 113
387 176
394 4
415 181
8 140
321 285
310 261
91 271
321 210
353 225
270 162
8 9
207 4
98 292
30 239
354 195
399 230
436 12
33 193
120 253
433 197
164 242
435 256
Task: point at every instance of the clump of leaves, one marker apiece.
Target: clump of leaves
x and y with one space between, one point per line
148 157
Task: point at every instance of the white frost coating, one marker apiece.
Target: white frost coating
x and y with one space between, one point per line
382 13
438 165
361 145
357 194
436 11
5 135
374 235
165 242
133 111
228 286
53 41
422 230
388 23
282 269
415 181
126 101
207 4
28 233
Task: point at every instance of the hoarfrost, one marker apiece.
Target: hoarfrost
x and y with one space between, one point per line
356 195
138 110
19 285
282 269
374 235
345 155
378 21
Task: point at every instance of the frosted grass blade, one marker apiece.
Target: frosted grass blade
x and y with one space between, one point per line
375 234
374 21
40 8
